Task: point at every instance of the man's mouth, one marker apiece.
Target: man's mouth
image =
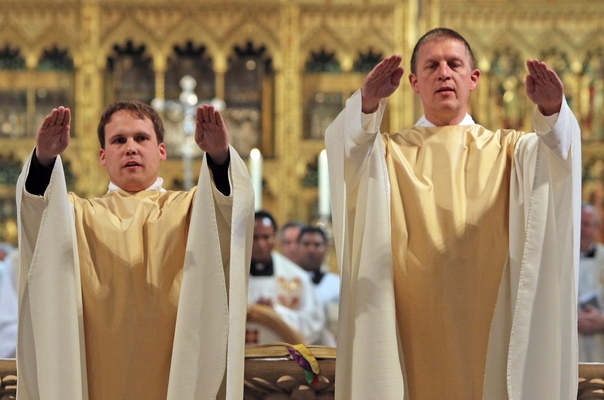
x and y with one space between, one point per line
445 90
131 164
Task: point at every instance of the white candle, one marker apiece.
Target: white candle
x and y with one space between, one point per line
256 175
324 199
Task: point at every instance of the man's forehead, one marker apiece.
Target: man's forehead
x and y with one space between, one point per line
292 231
437 48
312 237
265 222
119 118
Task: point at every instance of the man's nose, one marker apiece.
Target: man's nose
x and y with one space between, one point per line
130 147
444 72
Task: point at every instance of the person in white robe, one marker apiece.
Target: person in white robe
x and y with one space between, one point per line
8 300
139 293
279 283
590 288
288 239
457 246
312 254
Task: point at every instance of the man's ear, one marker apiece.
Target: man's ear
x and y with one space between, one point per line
413 82
474 78
102 156
163 154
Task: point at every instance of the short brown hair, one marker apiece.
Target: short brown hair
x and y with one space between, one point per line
441 34
139 109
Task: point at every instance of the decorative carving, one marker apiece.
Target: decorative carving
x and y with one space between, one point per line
271 374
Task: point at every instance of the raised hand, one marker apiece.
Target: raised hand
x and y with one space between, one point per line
544 87
53 135
381 82
211 133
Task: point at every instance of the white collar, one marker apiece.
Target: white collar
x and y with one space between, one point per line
467 120
157 186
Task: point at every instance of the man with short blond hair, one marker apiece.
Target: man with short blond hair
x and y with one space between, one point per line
457 245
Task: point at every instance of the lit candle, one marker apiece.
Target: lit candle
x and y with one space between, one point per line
324 206
256 175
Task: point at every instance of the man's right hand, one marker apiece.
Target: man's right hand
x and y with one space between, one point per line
381 82
590 320
53 136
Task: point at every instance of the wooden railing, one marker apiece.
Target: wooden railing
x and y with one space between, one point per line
270 371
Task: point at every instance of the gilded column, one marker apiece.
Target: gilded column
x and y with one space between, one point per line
407 28
289 114
401 102
220 68
89 99
482 93
31 62
159 65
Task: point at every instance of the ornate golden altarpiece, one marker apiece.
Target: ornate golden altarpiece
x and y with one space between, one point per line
314 54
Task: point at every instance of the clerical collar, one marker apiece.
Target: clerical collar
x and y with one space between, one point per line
262 269
157 186
467 120
317 276
590 253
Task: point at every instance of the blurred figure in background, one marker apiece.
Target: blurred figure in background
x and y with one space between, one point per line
591 301
8 300
279 283
312 251
288 239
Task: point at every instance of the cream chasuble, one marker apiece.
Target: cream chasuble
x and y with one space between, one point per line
131 250
449 216
146 312
456 248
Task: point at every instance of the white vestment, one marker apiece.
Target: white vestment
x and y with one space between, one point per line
293 297
8 304
534 326
328 292
591 285
328 289
208 347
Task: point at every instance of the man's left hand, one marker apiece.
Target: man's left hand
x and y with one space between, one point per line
544 87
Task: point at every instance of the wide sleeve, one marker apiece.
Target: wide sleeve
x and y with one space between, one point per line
50 348
369 364
209 343
545 196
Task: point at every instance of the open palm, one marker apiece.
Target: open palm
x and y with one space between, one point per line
53 135
211 133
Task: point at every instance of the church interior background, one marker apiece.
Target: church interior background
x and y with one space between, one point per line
282 70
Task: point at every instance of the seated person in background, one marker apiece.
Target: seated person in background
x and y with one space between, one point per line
280 284
8 300
312 249
591 278
288 239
